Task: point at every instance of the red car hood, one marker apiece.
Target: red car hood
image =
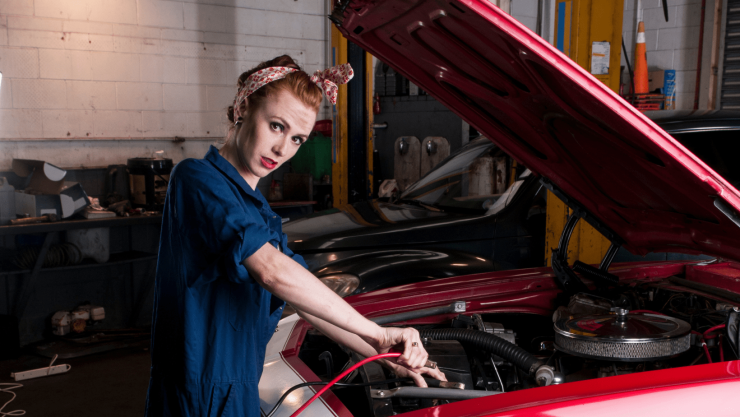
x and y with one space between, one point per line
556 119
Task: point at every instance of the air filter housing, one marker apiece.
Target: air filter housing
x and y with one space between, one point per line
623 337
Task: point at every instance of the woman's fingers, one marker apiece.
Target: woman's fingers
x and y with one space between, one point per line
418 379
414 355
434 373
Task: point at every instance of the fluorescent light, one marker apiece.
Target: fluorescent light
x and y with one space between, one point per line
1 78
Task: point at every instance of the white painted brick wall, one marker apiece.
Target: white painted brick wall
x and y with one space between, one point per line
84 95
673 44
78 71
3 30
16 7
525 11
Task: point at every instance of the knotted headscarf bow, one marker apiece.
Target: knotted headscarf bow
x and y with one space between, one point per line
327 80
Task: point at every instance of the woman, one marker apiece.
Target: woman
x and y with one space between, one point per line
224 267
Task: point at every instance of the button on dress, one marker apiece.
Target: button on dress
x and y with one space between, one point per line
211 320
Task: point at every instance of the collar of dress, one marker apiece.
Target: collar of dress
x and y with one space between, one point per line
230 172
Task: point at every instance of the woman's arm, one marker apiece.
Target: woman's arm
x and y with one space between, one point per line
356 344
291 282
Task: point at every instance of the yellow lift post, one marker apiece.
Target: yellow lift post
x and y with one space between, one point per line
369 80
590 33
340 131
340 135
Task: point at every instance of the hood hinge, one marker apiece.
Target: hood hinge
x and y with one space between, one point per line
566 276
337 15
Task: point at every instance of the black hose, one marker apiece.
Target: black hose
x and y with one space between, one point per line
489 343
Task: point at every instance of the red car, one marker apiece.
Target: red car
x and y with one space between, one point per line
638 339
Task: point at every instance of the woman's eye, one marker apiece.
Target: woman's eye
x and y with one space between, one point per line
297 140
277 127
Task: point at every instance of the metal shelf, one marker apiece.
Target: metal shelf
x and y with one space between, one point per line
115 258
78 224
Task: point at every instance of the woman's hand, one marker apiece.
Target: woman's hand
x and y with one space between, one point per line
402 372
414 355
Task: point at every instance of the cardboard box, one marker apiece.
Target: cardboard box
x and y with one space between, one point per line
46 191
655 79
45 177
70 200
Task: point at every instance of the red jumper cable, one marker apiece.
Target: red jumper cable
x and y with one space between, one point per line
342 375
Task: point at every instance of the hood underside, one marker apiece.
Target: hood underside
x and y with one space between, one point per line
555 118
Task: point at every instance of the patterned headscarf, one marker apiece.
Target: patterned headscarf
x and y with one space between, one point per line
327 80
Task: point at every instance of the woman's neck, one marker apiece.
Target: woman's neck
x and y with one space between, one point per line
230 152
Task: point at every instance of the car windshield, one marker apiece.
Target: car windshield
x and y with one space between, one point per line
479 177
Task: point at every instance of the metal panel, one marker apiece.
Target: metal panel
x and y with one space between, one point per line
730 95
406 161
433 150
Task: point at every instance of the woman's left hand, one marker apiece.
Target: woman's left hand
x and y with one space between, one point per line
417 376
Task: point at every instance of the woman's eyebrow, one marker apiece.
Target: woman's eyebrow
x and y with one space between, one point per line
285 124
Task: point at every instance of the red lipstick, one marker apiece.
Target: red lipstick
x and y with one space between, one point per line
268 163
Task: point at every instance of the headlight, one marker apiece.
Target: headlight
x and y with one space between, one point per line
342 284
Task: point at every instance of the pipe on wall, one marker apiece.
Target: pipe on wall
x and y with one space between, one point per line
714 60
698 59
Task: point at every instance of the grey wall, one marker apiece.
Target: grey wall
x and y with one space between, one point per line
419 116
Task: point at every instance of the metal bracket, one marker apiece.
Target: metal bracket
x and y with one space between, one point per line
567 280
430 393
431 147
582 213
455 307
337 15
403 146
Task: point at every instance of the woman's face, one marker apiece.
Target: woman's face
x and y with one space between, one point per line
273 134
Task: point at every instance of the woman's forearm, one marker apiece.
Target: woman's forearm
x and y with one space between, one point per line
349 340
291 282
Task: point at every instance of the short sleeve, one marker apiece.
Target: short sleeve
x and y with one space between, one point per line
286 250
218 227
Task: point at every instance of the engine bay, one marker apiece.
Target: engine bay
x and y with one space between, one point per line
626 329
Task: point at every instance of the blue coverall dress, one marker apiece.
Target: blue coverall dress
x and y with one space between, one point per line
211 320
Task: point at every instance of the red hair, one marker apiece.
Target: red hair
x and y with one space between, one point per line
299 83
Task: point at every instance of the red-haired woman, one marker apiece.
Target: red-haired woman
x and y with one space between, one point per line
224 270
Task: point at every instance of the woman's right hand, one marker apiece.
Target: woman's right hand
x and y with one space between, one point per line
414 355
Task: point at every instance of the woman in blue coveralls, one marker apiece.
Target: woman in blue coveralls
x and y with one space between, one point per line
224 270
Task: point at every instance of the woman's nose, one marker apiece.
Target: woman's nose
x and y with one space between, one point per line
281 147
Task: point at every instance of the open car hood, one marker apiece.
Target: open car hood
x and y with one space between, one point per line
638 185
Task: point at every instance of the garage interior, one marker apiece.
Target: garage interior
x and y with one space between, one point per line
101 99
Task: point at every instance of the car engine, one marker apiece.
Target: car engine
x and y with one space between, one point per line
630 329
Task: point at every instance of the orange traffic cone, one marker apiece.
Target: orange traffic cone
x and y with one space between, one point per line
641 70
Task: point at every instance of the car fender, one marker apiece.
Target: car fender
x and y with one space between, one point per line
385 268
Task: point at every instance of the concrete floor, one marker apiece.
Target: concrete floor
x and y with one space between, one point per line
107 384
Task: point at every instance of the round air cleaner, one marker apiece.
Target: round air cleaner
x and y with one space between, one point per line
623 337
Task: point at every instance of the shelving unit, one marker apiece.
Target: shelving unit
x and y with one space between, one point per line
123 284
